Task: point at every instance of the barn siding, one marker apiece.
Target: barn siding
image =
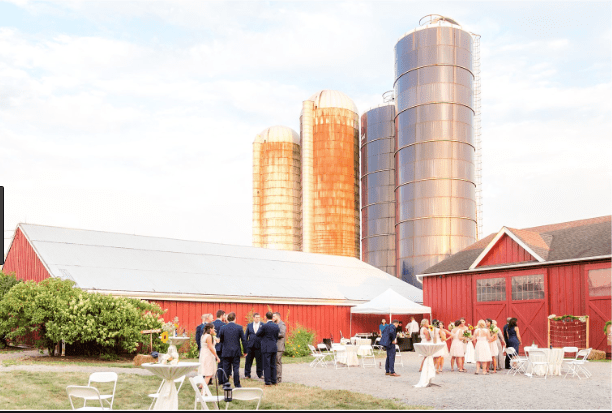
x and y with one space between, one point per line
23 260
506 251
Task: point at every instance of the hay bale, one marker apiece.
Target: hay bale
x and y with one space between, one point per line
143 358
597 355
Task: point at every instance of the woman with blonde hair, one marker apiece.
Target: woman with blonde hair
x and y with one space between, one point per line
483 349
443 335
425 336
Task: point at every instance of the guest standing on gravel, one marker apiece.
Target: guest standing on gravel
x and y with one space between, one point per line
280 346
388 342
269 336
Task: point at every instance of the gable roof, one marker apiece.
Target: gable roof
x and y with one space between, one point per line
171 269
565 241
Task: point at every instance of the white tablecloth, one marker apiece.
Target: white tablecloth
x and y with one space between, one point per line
429 371
554 358
168 396
362 342
348 356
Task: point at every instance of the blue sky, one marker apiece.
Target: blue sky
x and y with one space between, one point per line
138 117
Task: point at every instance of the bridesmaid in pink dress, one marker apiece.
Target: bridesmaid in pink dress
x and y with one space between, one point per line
208 354
483 349
457 350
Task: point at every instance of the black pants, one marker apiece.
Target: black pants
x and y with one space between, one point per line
220 375
232 363
253 353
269 366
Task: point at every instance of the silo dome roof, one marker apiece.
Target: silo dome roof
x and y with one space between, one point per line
278 134
333 99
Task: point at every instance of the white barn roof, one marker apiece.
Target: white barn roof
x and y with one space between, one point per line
171 269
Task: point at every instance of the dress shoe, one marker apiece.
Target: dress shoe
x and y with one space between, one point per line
386 374
394 375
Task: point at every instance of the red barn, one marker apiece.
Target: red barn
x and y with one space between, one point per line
529 274
191 278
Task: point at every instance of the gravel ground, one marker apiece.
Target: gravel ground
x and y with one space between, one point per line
464 391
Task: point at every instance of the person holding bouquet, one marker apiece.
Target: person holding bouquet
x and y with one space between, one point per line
426 336
457 350
501 343
483 349
492 367
443 335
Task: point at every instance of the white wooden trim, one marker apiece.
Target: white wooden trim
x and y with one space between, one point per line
494 241
514 266
226 299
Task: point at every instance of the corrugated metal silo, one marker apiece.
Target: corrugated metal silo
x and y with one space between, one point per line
435 153
277 189
329 125
378 185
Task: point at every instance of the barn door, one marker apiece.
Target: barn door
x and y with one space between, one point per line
527 303
598 280
491 299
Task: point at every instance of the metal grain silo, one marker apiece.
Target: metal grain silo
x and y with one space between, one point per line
436 209
277 189
378 185
329 126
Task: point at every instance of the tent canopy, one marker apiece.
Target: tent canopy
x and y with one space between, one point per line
390 302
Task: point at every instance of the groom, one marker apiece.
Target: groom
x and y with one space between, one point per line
388 342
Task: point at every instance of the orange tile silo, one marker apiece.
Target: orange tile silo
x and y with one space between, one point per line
330 174
277 189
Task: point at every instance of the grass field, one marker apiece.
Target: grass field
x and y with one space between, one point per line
38 391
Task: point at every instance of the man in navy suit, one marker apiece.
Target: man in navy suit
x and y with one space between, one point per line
253 348
269 335
232 336
218 323
388 342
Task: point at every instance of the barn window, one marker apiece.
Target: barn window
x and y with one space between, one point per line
491 289
528 287
600 282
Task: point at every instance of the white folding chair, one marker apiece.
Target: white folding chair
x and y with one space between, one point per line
398 354
577 365
368 354
103 377
247 394
87 393
566 359
537 358
517 363
203 396
318 357
377 345
155 395
328 354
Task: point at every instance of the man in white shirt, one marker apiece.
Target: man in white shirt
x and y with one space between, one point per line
413 332
253 348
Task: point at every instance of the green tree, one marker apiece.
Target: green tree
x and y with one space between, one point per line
7 281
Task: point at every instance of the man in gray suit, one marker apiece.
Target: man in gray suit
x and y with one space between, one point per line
280 345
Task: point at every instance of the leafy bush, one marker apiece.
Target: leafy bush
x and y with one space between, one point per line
7 281
89 323
191 347
296 344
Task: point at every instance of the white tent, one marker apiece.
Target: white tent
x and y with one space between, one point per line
390 303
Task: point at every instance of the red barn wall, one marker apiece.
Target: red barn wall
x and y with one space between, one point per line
23 261
565 292
506 251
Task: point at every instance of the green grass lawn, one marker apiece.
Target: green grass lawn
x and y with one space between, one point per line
38 391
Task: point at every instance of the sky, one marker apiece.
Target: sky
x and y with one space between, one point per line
139 117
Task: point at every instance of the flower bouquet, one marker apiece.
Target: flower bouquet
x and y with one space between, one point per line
451 326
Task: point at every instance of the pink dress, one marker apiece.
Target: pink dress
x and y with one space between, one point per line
208 364
457 347
483 350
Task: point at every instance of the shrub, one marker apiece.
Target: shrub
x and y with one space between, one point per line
296 344
191 347
89 323
7 281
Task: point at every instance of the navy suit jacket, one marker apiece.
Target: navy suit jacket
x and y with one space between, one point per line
199 330
231 336
388 336
218 324
252 340
269 335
